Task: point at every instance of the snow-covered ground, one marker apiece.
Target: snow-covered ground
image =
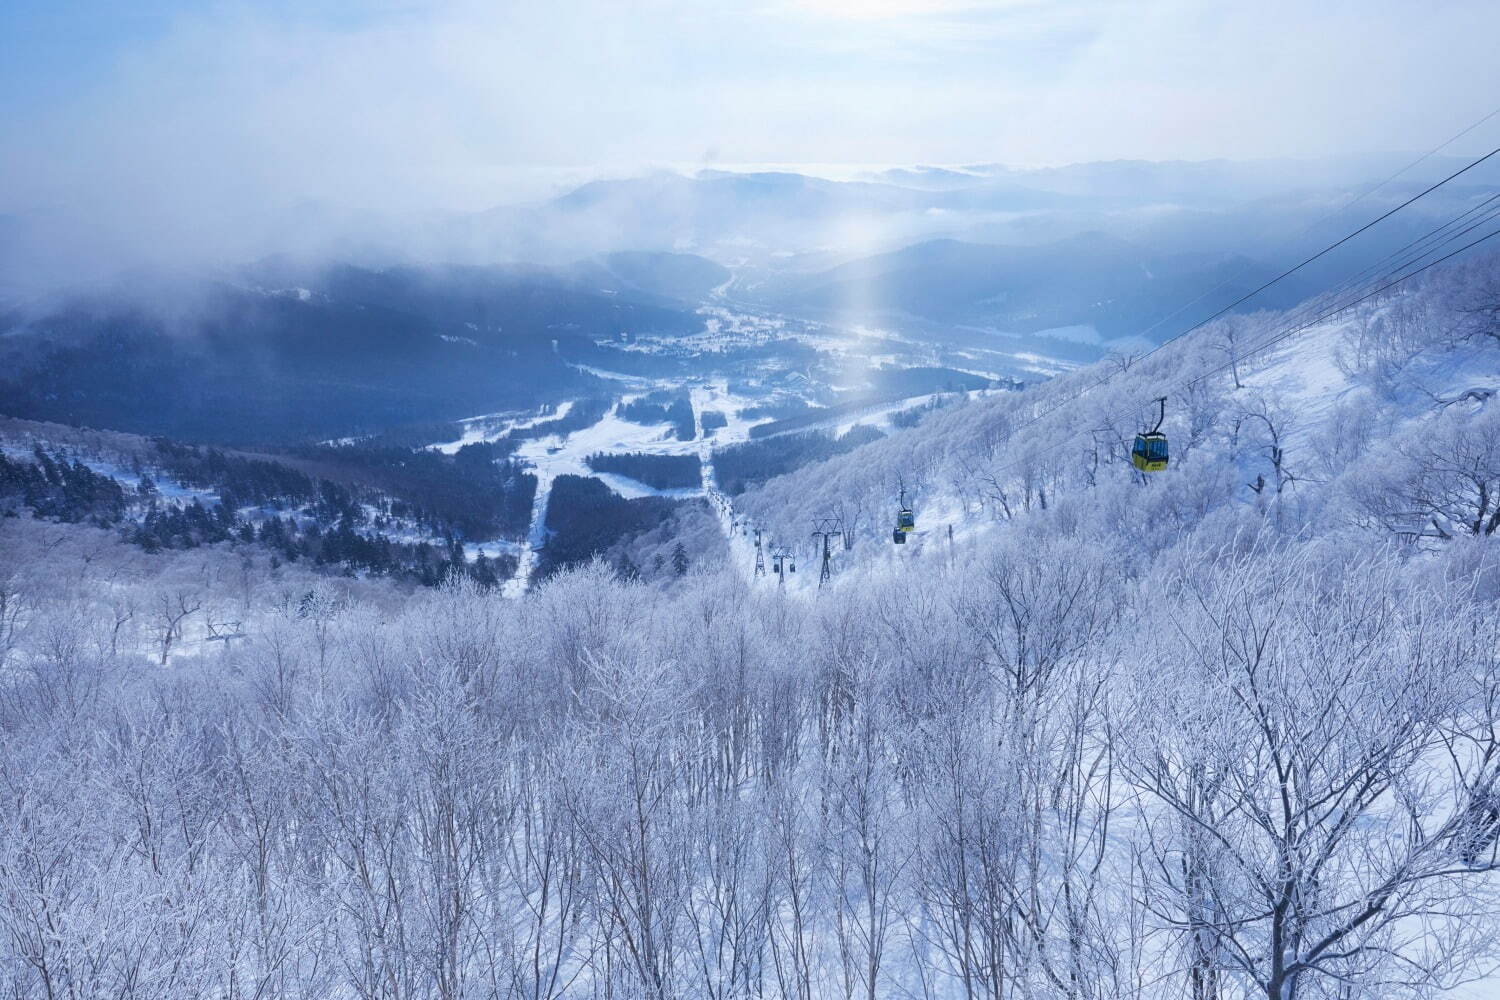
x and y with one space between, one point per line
536 537
494 426
567 455
1303 372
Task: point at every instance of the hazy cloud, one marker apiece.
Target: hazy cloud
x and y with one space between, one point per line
228 127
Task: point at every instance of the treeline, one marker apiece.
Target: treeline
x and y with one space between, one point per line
890 386
425 563
661 472
743 466
338 546
814 416
811 418
476 493
59 489
776 409
418 435
583 414
324 532
251 481
912 416
673 408
585 519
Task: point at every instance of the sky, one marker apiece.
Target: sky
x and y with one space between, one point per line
186 114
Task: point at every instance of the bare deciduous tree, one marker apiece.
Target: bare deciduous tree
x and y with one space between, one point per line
1292 737
170 609
1441 479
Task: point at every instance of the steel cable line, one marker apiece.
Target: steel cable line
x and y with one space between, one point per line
1325 251
1321 253
1391 264
1277 338
1395 260
1326 217
1431 239
1271 342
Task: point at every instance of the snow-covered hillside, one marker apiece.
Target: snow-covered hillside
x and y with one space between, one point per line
1262 415
1232 730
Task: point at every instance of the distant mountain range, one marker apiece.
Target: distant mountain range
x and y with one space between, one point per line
1093 279
1218 205
784 220
1217 181
1057 262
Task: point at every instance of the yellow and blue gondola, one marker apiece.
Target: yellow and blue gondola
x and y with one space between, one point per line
1150 452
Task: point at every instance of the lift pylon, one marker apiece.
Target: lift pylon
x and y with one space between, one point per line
825 529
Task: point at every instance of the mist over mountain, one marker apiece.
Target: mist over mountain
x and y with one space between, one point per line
1218 206
1254 208
290 352
984 268
1091 280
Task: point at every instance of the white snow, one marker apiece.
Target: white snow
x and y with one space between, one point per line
494 426
1302 370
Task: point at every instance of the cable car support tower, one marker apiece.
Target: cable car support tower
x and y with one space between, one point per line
825 530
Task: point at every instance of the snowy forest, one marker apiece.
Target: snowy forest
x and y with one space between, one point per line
1228 731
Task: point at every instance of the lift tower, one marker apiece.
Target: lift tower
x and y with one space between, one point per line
825 529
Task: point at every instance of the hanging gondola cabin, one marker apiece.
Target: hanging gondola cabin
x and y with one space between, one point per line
1149 454
906 522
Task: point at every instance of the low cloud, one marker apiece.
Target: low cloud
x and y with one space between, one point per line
233 131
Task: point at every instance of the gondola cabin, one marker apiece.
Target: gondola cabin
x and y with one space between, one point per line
1149 454
906 519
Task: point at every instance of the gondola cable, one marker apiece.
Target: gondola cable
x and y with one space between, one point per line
1326 250
1433 240
1178 336
1343 307
1325 218
1286 333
